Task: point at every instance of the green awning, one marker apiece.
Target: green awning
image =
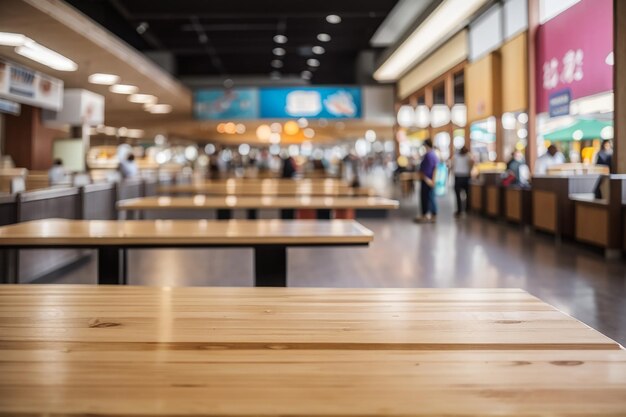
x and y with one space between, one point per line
582 129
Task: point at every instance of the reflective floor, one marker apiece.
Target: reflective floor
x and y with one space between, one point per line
471 252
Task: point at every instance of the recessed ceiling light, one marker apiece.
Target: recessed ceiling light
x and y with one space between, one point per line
103 79
278 51
277 63
142 98
333 19
323 37
123 89
160 109
306 75
134 133
312 62
280 39
318 50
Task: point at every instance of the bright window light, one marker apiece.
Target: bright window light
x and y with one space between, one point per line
449 15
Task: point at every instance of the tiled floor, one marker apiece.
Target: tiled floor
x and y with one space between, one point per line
472 252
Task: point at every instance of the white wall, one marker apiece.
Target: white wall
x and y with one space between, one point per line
551 8
515 17
486 33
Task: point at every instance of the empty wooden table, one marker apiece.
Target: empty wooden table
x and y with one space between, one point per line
113 351
266 188
269 239
226 203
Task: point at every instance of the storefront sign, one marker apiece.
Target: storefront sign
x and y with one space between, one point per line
572 51
559 102
10 107
30 87
278 103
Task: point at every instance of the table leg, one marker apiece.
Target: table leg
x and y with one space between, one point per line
252 214
9 267
111 266
270 266
224 214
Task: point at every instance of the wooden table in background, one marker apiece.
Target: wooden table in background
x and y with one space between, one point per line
269 239
266 188
118 351
201 202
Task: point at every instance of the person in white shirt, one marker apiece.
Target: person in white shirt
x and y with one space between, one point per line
462 165
56 174
550 158
128 168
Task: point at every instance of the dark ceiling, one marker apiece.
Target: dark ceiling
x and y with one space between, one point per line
235 37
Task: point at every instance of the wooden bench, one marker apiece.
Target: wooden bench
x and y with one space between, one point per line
269 239
112 351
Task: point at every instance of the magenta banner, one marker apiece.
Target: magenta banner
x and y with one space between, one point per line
573 50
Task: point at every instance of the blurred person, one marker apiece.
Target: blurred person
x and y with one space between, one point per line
462 164
605 154
351 169
289 168
128 168
550 158
427 171
56 173
513 169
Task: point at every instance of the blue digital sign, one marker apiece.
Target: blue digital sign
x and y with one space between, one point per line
219 104
278 103
310 102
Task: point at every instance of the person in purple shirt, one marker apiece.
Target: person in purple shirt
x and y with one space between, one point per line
427 171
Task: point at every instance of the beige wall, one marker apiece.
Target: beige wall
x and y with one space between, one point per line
515 74
447 56
482 88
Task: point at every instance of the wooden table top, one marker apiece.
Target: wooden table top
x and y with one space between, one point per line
296 318
203 202
287 188
183 232
143 351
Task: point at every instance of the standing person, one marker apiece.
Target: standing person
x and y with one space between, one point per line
605 154
427 172
550 158
289 167
462 165
128 168
56 174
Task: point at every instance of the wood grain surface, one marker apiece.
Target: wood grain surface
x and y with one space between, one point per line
203 202
180 232
266 187
143 351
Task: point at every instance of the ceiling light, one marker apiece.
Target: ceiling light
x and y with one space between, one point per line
323 37
278 51
312 62
160 109
110 131
280 39
306 75
14 39
45 56
333 19
142 27
103 79
318 50
275 75
142 98
123 89
277 63
447 17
